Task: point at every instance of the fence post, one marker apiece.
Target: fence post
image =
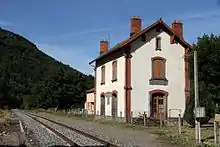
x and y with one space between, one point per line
179 123
98 115
131 117
121 116
161 122
144 118
218 135
215 132
86 113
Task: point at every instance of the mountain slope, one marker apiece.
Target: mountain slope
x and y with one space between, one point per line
30 78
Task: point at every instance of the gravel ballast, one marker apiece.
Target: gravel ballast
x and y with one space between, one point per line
119 136
44 136
74 136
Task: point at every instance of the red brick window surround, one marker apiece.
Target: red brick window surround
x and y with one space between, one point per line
114 71
102 75
158 71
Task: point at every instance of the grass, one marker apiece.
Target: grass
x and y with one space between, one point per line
168 134
187 137
4 118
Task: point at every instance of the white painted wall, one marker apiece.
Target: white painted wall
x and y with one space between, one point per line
141 73
89 99
109 86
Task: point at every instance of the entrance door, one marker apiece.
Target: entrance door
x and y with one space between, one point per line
103 105
158 106
114 106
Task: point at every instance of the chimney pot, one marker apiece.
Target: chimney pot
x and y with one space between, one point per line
177 27
135 24
103 47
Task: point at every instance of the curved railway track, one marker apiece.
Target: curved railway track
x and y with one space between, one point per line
96 141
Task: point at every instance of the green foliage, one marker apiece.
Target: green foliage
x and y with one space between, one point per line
30 79
189 115
30 101
208 50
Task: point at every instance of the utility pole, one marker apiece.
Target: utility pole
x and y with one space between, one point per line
197 124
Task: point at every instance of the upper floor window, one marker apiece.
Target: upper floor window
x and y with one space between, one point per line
114 71
103 75
158 68
158 71
158 43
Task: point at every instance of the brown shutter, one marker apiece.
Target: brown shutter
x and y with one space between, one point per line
114 70
162 69
158 68
103 75
155 68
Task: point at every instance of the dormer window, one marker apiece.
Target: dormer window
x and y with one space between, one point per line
158 43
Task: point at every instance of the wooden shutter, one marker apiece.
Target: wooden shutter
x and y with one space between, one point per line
114 70
103 75
158 68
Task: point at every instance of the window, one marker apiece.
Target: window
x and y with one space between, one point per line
158 68
158 71
108 101
103 75
158 43
114 71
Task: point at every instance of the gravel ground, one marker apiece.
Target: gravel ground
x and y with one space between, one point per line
44 136
77 138
116 135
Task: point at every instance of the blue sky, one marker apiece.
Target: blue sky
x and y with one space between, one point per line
70 30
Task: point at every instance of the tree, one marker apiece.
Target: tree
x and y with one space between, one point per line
208 50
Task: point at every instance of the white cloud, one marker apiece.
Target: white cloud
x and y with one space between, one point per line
72 56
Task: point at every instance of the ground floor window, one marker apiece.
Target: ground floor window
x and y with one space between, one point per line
114 105
102 105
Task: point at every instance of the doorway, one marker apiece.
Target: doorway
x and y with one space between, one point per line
103 105
114 105
158 106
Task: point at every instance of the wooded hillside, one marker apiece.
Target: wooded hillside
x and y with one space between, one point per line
30 78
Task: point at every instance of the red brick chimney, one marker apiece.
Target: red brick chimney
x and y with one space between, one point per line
177 27
135 24
103 46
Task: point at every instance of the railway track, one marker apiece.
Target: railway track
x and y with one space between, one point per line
72 136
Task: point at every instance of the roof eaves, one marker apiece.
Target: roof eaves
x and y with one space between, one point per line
90 90
115 48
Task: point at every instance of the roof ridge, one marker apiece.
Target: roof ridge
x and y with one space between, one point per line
136 35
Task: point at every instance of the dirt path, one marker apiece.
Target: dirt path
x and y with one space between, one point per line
11 135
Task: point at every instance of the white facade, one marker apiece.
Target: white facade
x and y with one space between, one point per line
89 104
143 49
141 73
109 86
